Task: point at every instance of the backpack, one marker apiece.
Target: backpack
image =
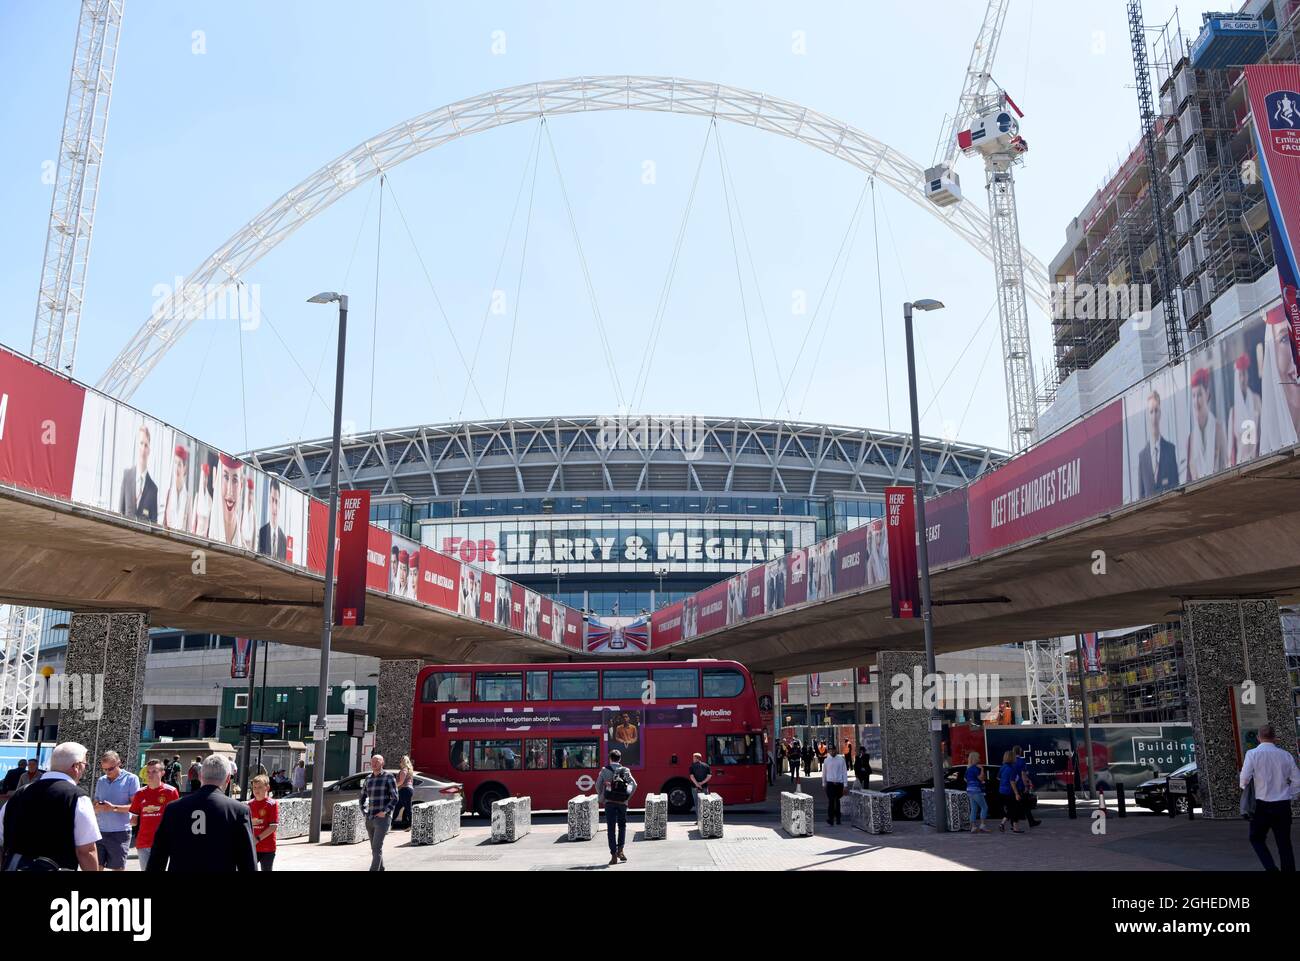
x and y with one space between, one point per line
616 790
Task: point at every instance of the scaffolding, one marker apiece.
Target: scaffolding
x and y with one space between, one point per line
1142 679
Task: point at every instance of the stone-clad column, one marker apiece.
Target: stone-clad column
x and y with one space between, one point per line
105 663
905 730
395 708
1226 643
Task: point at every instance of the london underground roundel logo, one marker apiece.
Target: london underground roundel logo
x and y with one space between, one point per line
585 783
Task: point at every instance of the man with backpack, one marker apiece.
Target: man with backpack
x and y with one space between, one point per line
616 786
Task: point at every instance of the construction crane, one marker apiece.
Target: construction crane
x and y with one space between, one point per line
59 302
987 123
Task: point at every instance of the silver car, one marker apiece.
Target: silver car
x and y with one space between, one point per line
349 789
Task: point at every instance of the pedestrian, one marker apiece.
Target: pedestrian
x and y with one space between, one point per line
174 772
807 758
848 753
979 804
114 792
793 755
234 774
821 755
862 768
33 773
51 824
10 783
616 786
701 775
405 793
147 809
378 798
1009 791
265 816
1276 780
835 779
300 776
194 774
1026 784
226 842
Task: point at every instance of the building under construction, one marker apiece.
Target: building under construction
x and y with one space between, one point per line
1213 207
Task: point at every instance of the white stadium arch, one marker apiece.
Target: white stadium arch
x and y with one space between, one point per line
173 316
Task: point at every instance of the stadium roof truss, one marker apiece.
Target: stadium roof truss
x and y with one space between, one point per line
230 262
581 455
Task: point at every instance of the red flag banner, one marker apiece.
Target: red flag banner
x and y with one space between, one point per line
900 517
354 533
241 658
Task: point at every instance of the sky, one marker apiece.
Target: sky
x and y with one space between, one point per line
469 297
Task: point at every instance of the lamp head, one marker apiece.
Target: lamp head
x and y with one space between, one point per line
326 297
927 304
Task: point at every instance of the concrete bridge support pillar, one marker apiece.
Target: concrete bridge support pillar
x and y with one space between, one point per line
904 723
104 686
395 708
1236 667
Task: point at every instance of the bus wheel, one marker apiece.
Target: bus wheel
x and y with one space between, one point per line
680 799
486 796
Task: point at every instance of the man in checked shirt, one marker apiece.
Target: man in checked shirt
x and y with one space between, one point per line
378 799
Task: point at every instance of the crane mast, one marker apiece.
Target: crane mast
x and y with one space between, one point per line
61 296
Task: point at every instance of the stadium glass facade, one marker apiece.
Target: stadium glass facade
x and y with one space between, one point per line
620 521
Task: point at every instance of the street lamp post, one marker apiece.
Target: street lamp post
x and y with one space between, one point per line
923 557
320 734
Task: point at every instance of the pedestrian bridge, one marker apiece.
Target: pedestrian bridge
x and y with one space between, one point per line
107 509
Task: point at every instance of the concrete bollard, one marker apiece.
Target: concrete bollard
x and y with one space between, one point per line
708 815
512 818
797 814
871 811
433 822
956 809
347 825
584 815
656 817
295 813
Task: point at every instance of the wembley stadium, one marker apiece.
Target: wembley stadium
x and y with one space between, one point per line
620 516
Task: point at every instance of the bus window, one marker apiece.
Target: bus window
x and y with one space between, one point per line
575 686
445 688
625 684
722 682
460 755
575 753
537 685
535 755
677 682
728 749
498 687
496 755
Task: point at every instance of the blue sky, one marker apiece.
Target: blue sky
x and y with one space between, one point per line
219 108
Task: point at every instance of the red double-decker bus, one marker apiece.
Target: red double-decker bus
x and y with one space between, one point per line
544 730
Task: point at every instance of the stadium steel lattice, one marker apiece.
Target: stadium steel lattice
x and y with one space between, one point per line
565 455
228 264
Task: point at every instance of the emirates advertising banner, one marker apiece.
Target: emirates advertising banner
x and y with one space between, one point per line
1275 110
900 517
354 532
40 420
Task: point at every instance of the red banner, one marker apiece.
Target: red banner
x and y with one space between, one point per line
947 528
354 528
796 577
40 423
754 591
666 626
379 558
712 610
852 559
900 527
1275 109
439 579
242 656
1075 475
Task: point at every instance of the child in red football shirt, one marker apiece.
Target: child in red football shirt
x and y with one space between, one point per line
147 808
265 815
